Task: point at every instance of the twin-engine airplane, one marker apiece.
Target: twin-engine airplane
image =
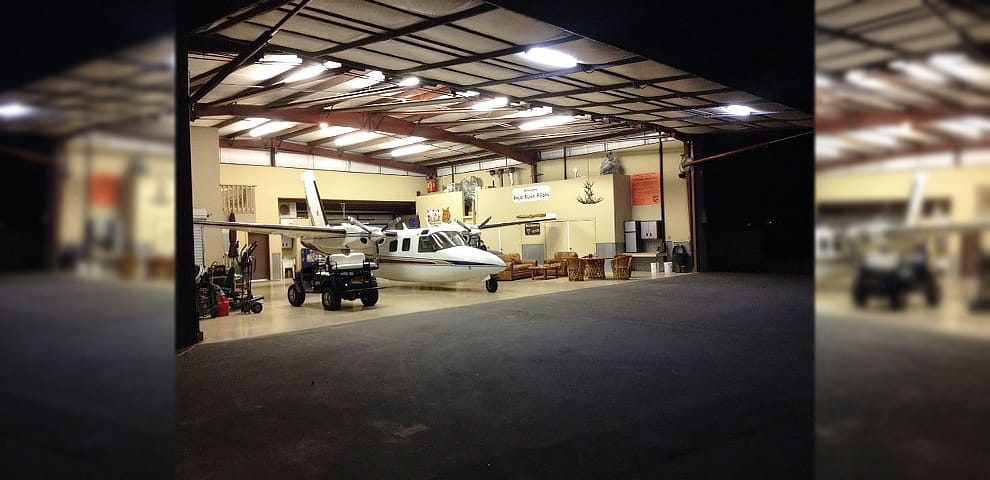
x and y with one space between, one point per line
447 253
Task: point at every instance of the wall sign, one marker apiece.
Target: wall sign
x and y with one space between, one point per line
531 194
532 228
646 188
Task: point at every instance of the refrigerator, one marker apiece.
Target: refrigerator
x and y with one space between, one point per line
632 233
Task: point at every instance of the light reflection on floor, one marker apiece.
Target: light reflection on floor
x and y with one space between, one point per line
397 299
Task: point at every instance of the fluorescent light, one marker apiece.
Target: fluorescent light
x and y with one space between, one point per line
14 110
532 112
960 66
308 72
491 104
401 142
363 81
334 131
821 81
330 65
324 125
246 123
356 137
960 127
875 137
550 57
469 93
546 122
271 65
862 79
422 147
269 128
919 71
741 110
409 82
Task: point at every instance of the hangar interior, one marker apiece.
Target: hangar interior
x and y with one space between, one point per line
407 108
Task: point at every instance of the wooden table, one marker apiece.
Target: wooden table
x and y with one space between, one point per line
545 270
594 267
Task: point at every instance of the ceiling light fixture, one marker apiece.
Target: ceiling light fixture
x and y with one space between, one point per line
919 71
356 137
363 81
330 65
740 110
960 66
491 104
409 82
400 152
546 122
532 112
822 81
271 65
306 73
401 142
269 128
548 56
469 93
14 110
324 125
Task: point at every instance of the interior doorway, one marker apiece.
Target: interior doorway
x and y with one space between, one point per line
262 270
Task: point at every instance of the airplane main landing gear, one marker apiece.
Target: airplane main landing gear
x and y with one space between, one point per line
491 284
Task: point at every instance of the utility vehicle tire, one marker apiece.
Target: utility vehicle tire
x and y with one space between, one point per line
331 301
369 298
296 296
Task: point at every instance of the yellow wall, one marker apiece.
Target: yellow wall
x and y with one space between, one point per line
272 183
205 150
633 160
959 184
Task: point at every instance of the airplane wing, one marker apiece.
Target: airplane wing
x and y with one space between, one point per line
294 231
545 218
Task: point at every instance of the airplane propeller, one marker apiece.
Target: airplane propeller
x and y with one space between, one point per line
482 225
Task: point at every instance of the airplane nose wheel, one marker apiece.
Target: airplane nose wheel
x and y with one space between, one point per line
491 284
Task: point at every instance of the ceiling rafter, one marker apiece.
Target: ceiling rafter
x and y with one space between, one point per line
278 82
368 122
416 27
325 152
245 56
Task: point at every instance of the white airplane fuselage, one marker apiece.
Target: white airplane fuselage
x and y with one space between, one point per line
405 255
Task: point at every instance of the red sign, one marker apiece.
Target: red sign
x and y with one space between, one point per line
104 189
646 189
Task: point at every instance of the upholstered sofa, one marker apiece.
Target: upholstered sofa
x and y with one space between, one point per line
515 267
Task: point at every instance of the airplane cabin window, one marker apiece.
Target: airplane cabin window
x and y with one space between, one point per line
427 244
393 246
405 244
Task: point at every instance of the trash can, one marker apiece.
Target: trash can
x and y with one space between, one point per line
653 267
668 268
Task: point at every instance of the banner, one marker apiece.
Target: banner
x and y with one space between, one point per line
531 194
646 189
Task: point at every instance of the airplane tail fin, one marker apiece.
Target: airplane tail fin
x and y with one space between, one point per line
915 199
316 214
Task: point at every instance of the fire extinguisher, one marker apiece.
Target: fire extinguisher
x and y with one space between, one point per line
431 185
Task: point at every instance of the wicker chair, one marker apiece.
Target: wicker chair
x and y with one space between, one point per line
620 267
575 272
561 259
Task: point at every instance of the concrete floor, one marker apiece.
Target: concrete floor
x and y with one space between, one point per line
398 298
86 378
699 376
902 394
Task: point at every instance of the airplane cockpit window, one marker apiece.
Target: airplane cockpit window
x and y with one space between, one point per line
440 241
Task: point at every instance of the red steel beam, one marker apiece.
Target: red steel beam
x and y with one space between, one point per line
366 121
272 146
854 121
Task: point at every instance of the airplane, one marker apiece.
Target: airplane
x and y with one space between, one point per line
432 254
891 259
